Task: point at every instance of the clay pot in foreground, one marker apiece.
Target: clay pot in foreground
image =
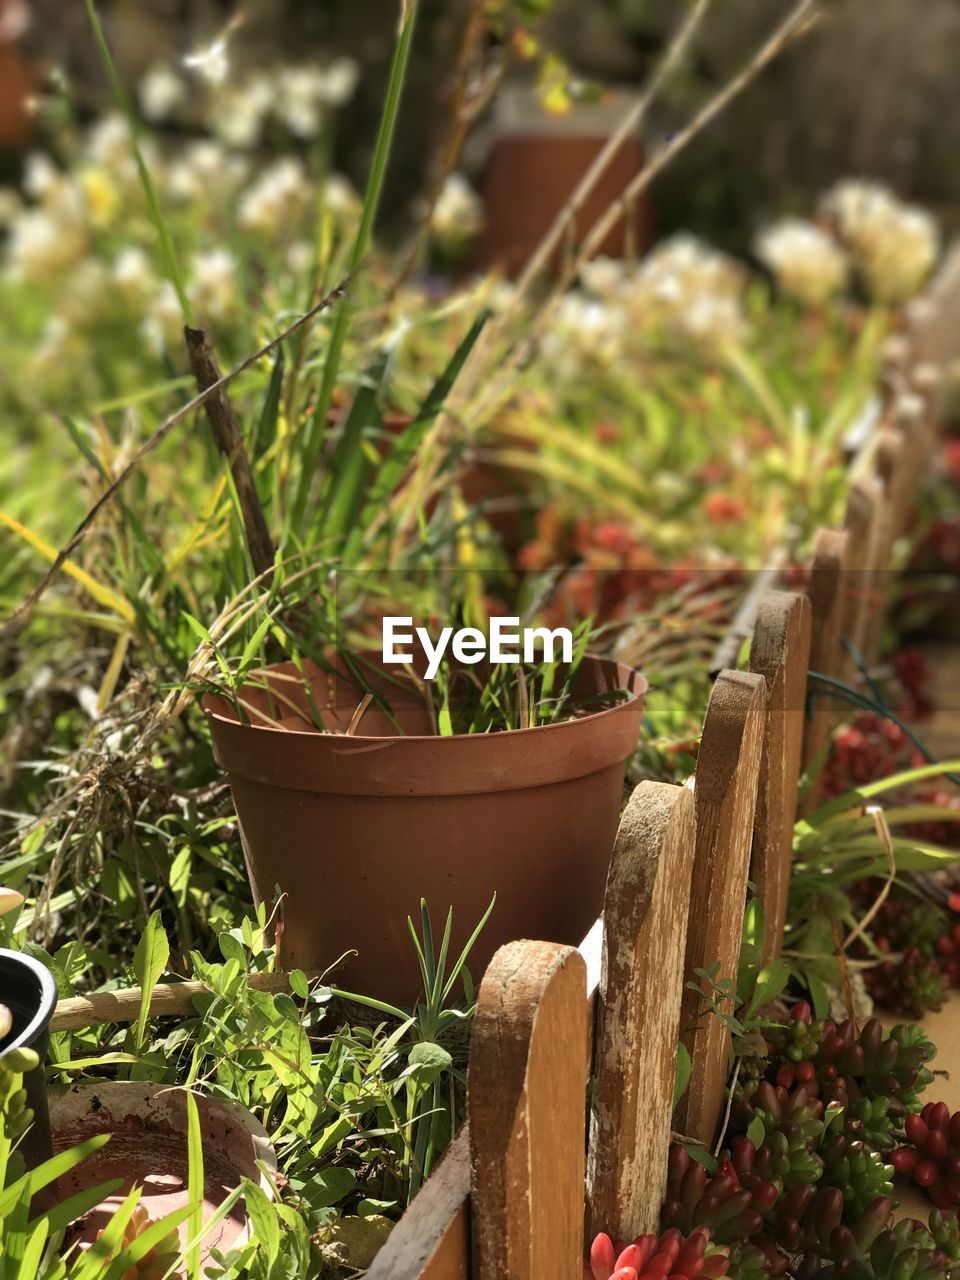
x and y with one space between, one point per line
29 991
356 830
147 1124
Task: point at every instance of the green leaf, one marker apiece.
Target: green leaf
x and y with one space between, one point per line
756 1131
429 1060
149 961
350 465
373 1208
684 1070
298 983
329 1186
195 1184
141 1245
29 1267
179 878
771 982
67 1211
267 426
50 1171
263 1220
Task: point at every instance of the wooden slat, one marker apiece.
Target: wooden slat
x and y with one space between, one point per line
894 364
638 1010
780 652
909 418
432 1239
725 792
525 1089
827 654
865 593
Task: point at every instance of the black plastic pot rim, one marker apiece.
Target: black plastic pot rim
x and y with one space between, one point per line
45 1005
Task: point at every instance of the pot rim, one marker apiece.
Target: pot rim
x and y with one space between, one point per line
636 684
148 1092
46 1003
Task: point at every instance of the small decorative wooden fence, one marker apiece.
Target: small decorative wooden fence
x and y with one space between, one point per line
535 1170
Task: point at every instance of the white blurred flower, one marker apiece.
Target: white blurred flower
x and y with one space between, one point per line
337 82
108 142
458 214
585 328
202 167
85 294
161 93
212 287
501 296
340 197
239 111
42 180
686 288
894 245
606 277
299 103
301 257
44 243
134 276
162 328
211 61
805 262
277 200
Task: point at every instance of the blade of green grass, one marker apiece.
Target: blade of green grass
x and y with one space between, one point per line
168 252
371 202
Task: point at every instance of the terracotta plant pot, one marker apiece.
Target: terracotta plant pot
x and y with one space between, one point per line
147 1124
535 164
28 990
356 830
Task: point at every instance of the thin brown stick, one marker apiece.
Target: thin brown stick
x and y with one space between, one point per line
800 20
796 24
229 441
24 607
630 123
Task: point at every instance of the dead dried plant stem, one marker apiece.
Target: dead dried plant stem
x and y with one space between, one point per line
630 123
229 441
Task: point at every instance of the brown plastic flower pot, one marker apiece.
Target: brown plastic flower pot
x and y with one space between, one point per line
355 830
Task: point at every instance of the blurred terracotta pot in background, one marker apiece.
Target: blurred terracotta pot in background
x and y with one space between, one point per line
535 163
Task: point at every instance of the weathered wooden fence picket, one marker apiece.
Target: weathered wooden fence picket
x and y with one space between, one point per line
540 1166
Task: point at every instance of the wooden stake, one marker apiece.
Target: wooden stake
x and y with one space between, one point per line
638 1014
725 791
229 441
525 1082
432 1239
780 653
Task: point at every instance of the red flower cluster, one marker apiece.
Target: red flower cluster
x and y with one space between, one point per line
609 574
